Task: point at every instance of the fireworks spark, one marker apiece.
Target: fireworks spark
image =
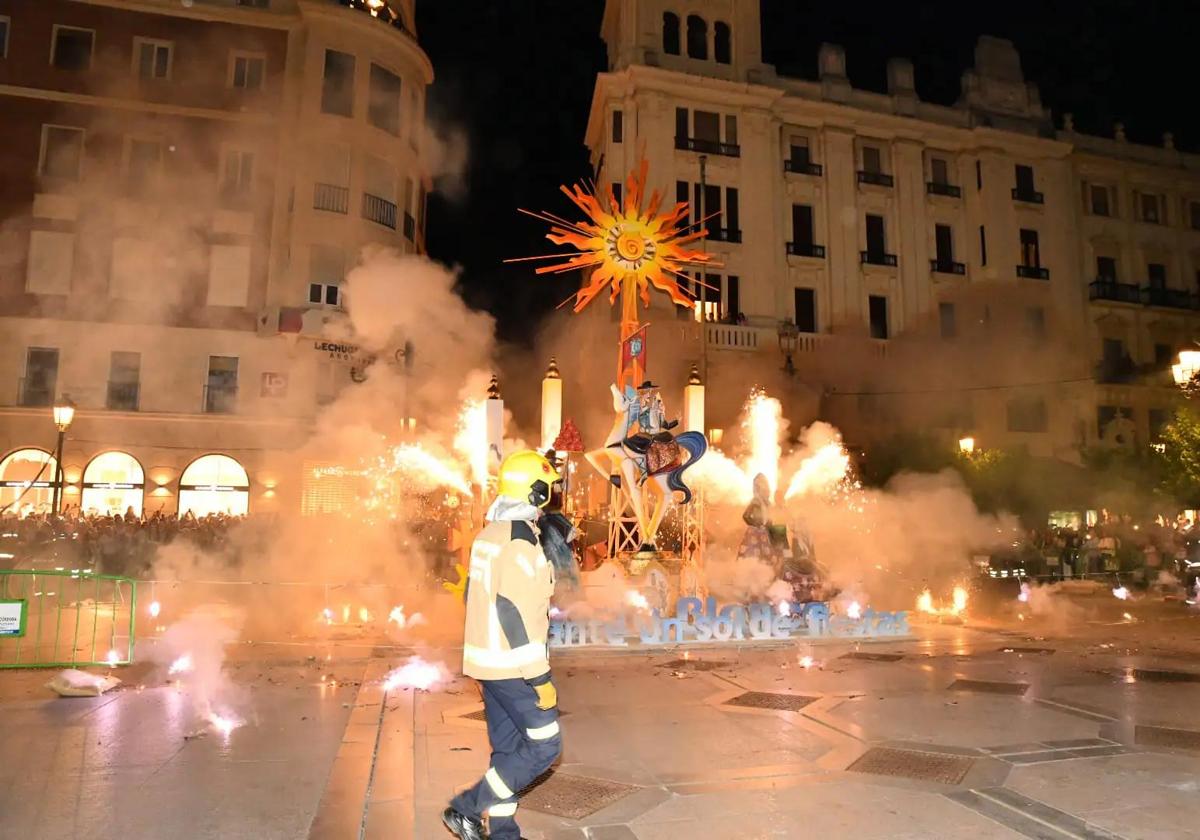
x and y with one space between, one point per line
224 724
364 615
785 608
1023 597
761 427
637 600
471 440
181 665
960 600
416 673
821 472
1121 593
113 658
154 609
854 610
396 616
925 603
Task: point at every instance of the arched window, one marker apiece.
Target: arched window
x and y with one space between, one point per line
27 482
722 43
113 483
697 37
214 484
670 33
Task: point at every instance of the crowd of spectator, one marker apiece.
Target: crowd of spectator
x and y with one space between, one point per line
1139 551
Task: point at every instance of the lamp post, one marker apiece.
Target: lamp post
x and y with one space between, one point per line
1185 371
788 335
64 413
966 446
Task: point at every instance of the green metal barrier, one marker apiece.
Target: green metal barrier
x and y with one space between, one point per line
59 619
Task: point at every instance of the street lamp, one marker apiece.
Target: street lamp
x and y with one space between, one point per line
64 413
966 445
1185 371
788 335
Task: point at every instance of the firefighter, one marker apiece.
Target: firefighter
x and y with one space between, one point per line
509 585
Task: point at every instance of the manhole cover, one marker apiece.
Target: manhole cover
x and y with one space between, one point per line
1161 736
989 687
771 700
694 665
872 657
910 764
1150 675
572 797
1043 651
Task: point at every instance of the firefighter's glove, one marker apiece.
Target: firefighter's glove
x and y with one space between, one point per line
547 694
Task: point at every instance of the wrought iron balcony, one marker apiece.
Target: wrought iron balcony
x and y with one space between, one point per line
947 266
331 198
122 396
379 210
1028 196
877 258
879 179
1107 288
718 234
1033 272
802 167
806 249
695 144
1168 298
938 188
410 227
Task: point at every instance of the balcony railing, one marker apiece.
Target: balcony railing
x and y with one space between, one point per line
35 392
730 337
938 188
806 249
379 210
877 258
947 266
724 234
1033 272
802 167
220 399
122 396
1028 196
695 144
410 227
1104 288
331 198
1168 298
879 179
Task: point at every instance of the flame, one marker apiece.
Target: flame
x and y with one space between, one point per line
806 662
925 603
223 723
416 673
471 441
960 600
820 472
1121 593
181 665
154 609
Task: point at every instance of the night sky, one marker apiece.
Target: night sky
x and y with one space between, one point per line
518 78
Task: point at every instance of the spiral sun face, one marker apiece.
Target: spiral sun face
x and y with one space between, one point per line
624 240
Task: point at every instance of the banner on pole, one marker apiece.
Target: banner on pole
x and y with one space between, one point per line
633 351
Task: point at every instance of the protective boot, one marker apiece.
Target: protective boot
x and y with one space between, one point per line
462 826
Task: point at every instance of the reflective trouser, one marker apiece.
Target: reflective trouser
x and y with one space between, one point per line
525 741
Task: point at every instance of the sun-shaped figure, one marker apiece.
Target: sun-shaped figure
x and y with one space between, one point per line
631 247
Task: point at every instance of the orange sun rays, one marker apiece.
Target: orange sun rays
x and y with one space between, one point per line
620 240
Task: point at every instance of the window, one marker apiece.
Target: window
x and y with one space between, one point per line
978 175
151 58
878 311
1106 269
143 163
1113 351
1030 254
731 137
1024 175
1156 275
51 262
806 310
733 301
326 268
1027 414
1150 208
383 99
682 129
247 71
872 160
337 86
670 33
124 373
799 152
943 239
237 173
72 48
731 220
939 171
722 43
802 227
618 126
62 152
709 294
41 376
982 246
1035 323
1164 356
229 275
1158 421
220 392
618 193
947 321
254 4
3 37
697 37
876 241
707 126
1099 200
710 208
1193 213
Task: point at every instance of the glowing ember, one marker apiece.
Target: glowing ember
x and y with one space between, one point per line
223 723
821 472
637 600
155 608
806 662
854 610
1121 593
113 658
181 665
416 673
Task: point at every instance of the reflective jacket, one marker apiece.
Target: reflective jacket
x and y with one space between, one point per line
509 585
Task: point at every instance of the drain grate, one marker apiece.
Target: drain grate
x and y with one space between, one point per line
1161 736
572 797
771 700
989 687
1151 675
872 657
910 764
694 665
1038 650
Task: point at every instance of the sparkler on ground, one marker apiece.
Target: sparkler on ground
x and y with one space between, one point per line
957 606
417 674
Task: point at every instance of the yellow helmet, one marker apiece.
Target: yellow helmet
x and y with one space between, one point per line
527 475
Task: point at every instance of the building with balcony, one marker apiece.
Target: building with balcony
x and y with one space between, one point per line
185 187
936 260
